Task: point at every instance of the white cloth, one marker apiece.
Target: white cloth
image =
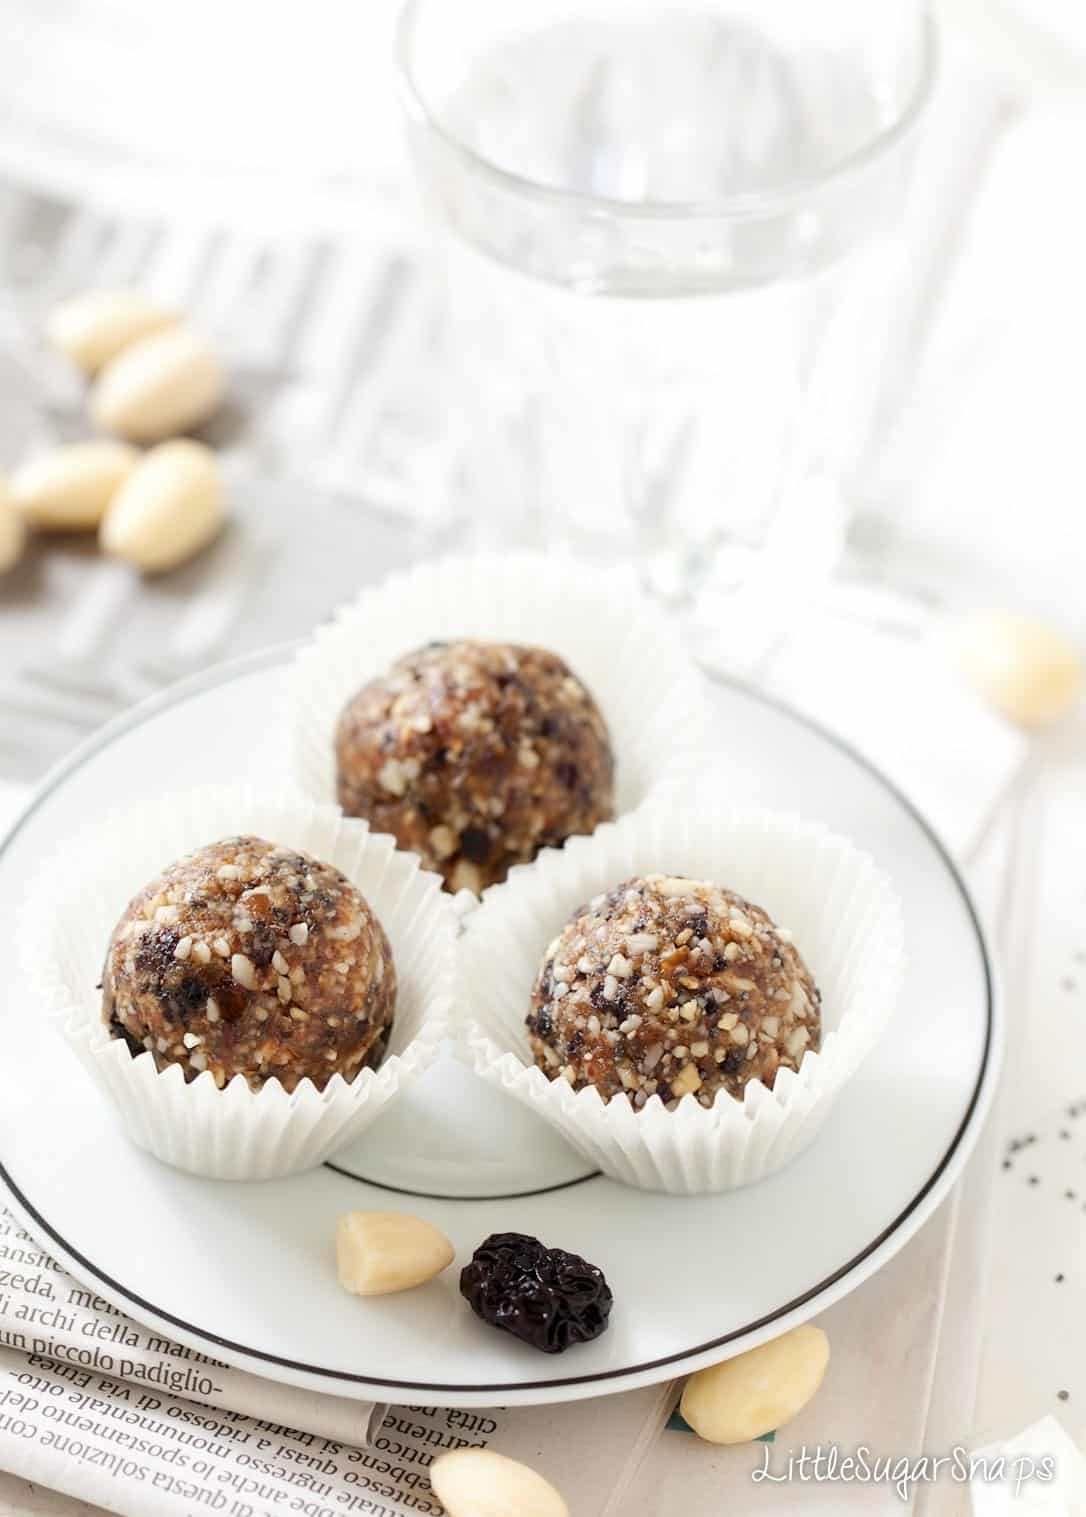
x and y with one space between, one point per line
1038 1473
11 800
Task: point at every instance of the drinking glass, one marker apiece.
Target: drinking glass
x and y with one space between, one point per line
675 236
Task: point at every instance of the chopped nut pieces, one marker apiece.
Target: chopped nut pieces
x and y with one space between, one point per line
70 488
379 1252
12 531
1024 668
169 508
670 987
91 329
475 756
165 384
758 1391
195 975
476 1482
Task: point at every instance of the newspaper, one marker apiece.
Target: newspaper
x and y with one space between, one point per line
97 1406
46 1314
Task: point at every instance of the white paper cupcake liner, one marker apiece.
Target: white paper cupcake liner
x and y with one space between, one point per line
629 656
235 1133
846 922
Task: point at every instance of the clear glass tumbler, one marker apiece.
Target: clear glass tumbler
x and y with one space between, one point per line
675 241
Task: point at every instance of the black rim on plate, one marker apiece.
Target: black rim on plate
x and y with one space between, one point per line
222 673
434 1195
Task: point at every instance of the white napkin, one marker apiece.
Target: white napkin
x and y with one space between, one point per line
889 689
11 799
1038 1473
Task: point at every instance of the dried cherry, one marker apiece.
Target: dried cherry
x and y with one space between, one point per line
545 1296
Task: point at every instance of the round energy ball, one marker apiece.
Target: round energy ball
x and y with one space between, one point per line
671 987
247 958
475 756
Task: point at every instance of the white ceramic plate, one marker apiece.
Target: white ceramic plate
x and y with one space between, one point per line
246 1272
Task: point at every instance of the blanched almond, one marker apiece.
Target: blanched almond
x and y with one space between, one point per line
171 506
1026 669
159 387
12 531
480 1483
91 329
71 487
758 1391
378 1252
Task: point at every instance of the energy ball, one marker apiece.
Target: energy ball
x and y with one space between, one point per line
476 756
247 958
671 987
